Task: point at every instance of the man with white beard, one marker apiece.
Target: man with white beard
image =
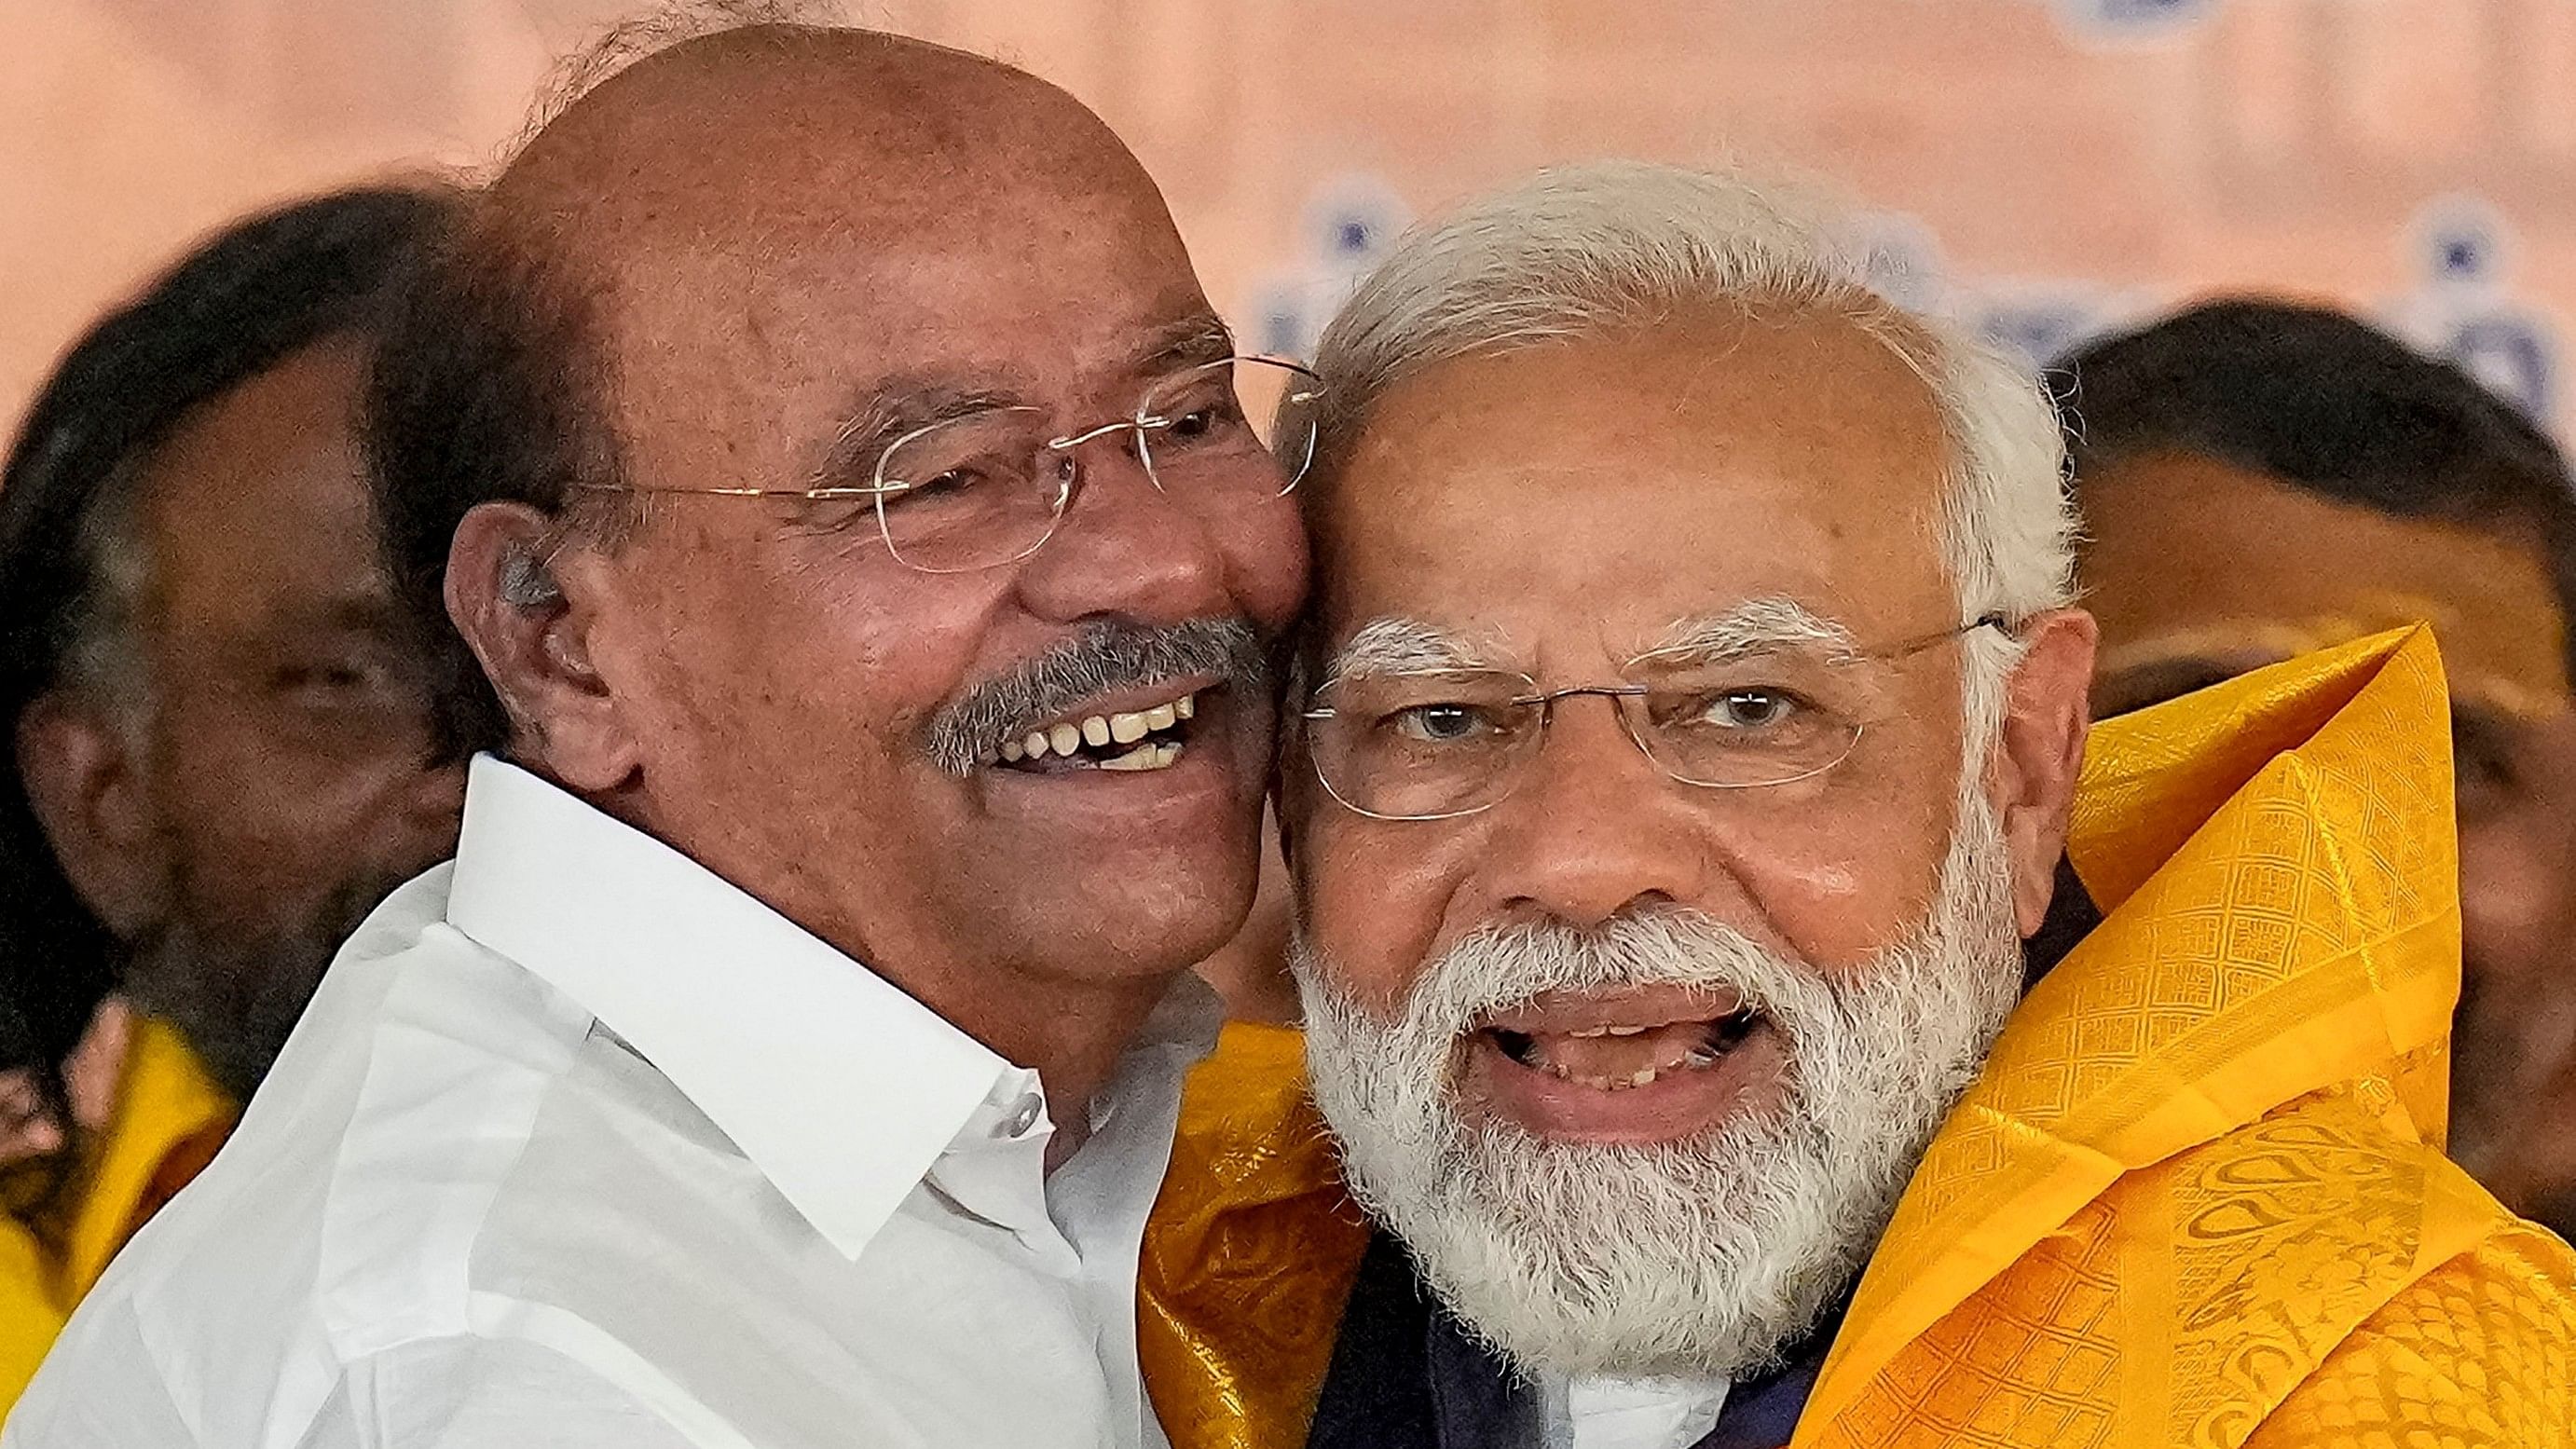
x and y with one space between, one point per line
1746 1012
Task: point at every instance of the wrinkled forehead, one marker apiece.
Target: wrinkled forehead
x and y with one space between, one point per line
1581 503
756 253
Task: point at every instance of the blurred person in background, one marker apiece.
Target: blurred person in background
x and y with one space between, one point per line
220 720
2259 479
864 569
1751 1002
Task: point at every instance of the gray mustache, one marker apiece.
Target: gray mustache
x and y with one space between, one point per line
1105 656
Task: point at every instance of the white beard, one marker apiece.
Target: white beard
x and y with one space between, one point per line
1701 1257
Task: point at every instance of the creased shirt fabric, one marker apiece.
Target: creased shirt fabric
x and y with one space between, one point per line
581 1145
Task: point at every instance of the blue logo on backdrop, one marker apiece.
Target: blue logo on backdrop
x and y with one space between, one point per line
2509 354
2042 331
1288 324
2462 241
1345 228
1351 220
2121 18
2464 308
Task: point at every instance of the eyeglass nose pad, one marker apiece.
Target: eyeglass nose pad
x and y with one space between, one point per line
1141 446
1068 451
1628 706
1638 725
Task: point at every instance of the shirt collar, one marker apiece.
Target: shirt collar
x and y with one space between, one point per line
840 1088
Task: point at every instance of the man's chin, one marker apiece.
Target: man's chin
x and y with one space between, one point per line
1121 916
1700 1259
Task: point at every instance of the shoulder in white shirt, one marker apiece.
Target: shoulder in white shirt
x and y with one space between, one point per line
579 1145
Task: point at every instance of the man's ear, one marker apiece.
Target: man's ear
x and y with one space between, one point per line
2041 751
527 605
93 799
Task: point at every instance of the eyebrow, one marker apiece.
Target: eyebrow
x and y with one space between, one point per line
1753 627
1191 341
892 407
888 410
1406 646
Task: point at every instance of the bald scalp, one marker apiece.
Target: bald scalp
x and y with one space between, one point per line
740 209
766 121
697 268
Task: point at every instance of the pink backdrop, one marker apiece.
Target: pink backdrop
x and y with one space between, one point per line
2043 165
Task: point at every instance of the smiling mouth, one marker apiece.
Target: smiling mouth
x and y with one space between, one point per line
1142 740
1623 1055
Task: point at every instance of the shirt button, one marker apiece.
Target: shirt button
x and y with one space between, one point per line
1023 1116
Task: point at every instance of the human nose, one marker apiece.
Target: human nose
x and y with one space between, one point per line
1593 827
1123 546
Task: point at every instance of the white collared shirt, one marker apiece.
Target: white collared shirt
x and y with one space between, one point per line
579 1145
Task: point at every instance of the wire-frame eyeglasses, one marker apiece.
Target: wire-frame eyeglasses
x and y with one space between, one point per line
1441 744
989 486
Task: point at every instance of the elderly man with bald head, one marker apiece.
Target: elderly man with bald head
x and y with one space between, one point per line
863 566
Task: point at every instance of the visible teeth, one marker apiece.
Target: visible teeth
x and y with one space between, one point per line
1066 738
1144 757
1013 750
1701 1057
1127 729
1095 731
1644 1075
1590 1032
1187 706
1036 745
1625 1030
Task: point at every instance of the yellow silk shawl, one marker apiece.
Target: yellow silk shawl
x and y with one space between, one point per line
2196 1197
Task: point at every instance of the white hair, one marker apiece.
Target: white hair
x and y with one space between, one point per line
1703 1256
1698 1257
1620 246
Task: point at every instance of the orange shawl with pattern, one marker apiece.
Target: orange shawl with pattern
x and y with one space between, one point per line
2196 1197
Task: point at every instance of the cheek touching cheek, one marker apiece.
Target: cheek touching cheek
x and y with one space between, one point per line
1270 564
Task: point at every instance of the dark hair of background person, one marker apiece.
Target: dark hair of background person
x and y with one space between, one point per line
489 386
2323 401
245 301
